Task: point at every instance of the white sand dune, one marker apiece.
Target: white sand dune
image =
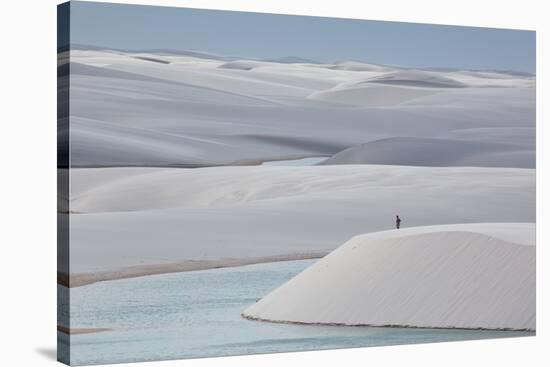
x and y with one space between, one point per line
215 107
243 64
443 152
136 216
357 66
521 137
159 109
116 189
455 276
361 94
292 60
416 78
401 86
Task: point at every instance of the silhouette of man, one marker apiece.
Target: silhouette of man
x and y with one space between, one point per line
397 221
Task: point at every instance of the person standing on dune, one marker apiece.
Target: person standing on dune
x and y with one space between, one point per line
397 222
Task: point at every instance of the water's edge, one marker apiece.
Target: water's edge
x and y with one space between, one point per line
82 279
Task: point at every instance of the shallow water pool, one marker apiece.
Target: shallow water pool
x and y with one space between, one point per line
197 314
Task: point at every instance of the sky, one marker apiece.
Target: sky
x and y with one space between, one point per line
268 36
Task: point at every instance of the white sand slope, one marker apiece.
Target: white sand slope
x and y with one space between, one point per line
158 108
357 66
369 95
136 116
416 78
135 216
243 64
138 189
452 276
442 152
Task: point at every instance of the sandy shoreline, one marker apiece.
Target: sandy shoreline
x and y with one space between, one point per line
79 280
74 331
252 318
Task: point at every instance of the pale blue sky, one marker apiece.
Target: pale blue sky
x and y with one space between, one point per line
254 35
